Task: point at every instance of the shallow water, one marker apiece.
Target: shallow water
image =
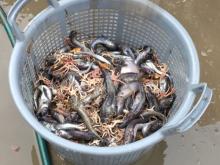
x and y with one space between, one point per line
198 146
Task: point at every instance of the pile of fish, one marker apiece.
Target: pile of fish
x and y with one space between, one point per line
100 93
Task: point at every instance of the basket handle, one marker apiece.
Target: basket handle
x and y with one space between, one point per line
12 15
195 114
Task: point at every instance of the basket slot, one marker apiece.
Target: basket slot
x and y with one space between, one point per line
48 41
92 23
139 31
27 84
178 69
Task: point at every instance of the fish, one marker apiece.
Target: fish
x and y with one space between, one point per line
104 41
124 92
42 99
108 108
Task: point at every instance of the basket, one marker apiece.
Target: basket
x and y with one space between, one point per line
131 22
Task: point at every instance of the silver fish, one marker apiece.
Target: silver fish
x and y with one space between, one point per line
142 56
42 99
128 52
151 127
146 128
98 57
163 85
58 117
137 128
103 41
125 91
130 67
50 126
108 108
150 66
65 49
166 83
63 134
69 126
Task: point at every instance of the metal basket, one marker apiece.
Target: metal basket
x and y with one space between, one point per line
131 22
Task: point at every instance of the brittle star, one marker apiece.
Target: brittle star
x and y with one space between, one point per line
115 77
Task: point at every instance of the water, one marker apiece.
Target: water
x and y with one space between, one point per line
198 146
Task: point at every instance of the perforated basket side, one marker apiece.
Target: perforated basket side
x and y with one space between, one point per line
135 31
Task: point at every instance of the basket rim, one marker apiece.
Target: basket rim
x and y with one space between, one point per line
69 145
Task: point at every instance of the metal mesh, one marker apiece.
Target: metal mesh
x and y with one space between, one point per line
125 27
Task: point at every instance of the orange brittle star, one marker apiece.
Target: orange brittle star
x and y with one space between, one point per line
63 64
167 93
44 79
96 73
115 77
